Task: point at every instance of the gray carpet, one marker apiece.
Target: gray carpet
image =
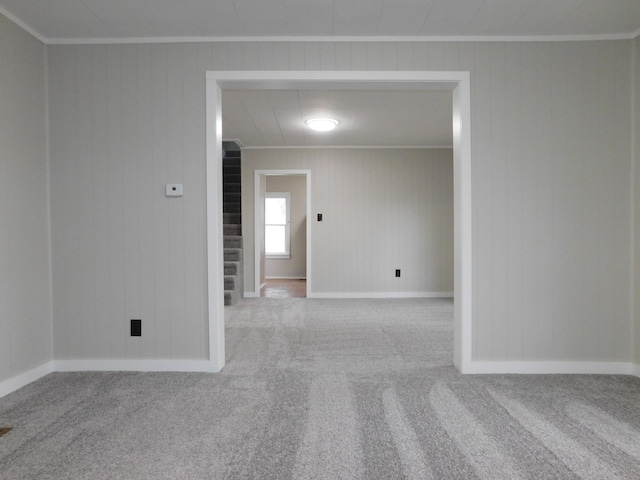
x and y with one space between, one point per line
325 389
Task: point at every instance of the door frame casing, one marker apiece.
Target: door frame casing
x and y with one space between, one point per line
257 221
458 82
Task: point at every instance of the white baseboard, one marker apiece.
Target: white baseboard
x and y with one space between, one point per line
14 383
476 367
381 295
550 367
132 366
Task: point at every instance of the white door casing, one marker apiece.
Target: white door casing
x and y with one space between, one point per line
457 82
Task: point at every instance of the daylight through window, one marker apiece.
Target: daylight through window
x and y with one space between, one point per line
276 228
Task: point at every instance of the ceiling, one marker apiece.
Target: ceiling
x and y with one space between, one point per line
273 118
56 21
270 118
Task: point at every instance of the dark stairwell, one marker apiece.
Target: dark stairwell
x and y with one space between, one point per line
232 225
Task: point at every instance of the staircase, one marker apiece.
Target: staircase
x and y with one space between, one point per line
232 227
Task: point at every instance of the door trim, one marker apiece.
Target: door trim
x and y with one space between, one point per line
458 82
257 223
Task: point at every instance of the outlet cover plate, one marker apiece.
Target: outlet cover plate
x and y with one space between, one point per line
174 190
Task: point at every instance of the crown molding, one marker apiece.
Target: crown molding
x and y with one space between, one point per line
344 39
23 25
319 39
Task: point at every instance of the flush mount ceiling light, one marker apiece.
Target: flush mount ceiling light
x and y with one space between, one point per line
322 124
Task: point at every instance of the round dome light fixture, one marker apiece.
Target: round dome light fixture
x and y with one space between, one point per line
322 124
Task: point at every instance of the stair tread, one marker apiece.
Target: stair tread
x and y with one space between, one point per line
232 226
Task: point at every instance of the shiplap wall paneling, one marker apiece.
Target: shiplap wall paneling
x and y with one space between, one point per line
624 228
496 197
132 132
553 248
115 193
139 251
64 186
481 203
382 210
611 111
550 178
159 324
144 346
193 155
437 194
636 198
25 316
91 153
514 178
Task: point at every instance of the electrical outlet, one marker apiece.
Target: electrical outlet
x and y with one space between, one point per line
174 190
398 272
136 328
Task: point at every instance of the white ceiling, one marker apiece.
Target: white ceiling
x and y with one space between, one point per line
272 118
57 21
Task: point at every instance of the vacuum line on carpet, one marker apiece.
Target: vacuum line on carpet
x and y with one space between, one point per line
331 446
480 449
574 455
405 439
611 430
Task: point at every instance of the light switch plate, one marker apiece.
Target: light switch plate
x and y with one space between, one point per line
174 190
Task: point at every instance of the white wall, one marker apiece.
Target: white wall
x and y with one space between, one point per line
296 265
382 209
636 198
25 299
262 191
551 190
125 122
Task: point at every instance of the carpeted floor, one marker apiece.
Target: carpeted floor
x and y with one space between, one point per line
325 389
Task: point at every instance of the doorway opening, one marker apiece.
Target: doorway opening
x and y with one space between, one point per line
295 262
457 82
